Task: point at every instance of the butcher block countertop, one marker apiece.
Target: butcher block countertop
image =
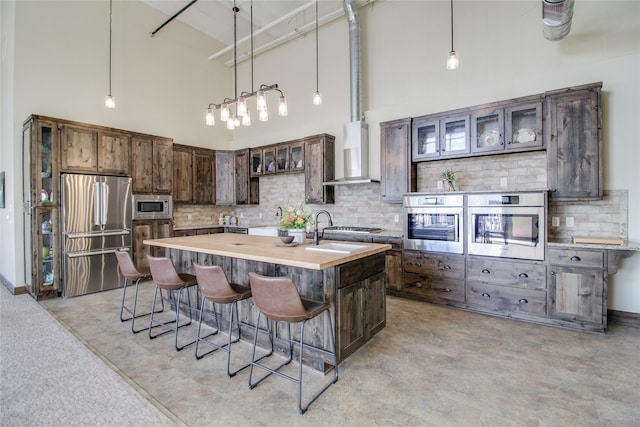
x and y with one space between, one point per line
265 249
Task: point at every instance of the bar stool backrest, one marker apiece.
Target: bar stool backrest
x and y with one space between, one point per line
164 272
127 268
214 285
277 298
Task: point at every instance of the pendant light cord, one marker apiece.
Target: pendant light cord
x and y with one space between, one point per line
317 55
251 5
451 25
110 25
235 49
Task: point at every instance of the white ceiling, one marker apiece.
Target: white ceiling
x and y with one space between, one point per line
274 21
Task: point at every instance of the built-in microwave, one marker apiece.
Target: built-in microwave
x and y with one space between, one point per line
434 222
147 206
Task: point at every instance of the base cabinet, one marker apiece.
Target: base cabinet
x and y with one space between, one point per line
144 230
434 277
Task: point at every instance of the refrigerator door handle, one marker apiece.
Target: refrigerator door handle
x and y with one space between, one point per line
91 235
89 253
97 208
104 189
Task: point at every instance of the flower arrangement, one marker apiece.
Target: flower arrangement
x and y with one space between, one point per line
450 177
296 217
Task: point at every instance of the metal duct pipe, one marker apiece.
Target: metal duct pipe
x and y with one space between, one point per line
556 18
354 49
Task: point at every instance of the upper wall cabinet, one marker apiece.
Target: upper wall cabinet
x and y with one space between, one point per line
90 149
319 167
439 137
285 157
574 143
247 187
225 178
151 165
398 173
193 175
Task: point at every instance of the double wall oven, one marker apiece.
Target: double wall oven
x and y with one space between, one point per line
507 225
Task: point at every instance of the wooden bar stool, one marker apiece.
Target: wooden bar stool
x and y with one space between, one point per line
215 288
132 275
167 278
278 299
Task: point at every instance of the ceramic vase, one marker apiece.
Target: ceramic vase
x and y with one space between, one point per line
299 235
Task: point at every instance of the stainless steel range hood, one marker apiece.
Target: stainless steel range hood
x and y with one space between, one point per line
356 135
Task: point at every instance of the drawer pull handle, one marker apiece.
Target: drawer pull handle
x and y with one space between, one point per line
418 284
418 264
523 275
446 267
575 258
447 289
485 271
553 273
486 295
523 301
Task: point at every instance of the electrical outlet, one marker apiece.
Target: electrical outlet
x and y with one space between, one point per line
438 185
259 215
503 181
189 216
241 214
396 218
555 221
570 222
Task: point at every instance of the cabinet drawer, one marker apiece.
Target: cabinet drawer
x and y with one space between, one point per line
577 257
434 288
505 299
359 270
435 265
528 275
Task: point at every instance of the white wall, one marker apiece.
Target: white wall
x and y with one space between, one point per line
61 63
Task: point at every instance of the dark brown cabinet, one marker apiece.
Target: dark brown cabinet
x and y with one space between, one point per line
434 277
193 175
574 143
151 165
319 167
225 178
398 173
247 187
144 230
92 149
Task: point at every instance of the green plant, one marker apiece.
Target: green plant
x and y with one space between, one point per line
450 177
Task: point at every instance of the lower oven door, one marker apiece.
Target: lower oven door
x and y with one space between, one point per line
510 232
436 229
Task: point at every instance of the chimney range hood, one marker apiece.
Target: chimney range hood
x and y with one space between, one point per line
356 135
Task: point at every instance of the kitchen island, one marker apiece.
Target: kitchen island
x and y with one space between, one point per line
352 282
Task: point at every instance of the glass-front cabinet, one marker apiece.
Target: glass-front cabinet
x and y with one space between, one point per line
41 187
255 161
523 125
296 152
487 130
435 137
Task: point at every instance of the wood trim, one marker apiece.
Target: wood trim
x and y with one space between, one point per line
624 318
15 290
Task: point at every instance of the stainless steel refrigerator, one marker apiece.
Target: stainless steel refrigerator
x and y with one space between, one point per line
95 221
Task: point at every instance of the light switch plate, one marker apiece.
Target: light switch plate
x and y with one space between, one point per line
570 222
555 221
396 218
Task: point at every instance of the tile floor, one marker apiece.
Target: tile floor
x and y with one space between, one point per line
431 365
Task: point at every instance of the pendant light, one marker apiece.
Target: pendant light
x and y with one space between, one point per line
241 117
317 98
452 60
110 101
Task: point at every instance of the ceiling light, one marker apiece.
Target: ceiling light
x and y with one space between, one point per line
452 60
110 101
242 114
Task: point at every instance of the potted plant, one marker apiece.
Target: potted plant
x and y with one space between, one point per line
296 220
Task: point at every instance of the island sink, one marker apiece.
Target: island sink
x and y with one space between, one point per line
341 248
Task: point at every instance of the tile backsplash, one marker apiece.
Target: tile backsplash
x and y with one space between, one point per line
359 205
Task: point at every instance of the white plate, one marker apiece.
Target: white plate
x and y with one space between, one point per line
524 135
489 139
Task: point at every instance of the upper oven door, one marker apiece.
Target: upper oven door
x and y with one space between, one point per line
511 232
436 229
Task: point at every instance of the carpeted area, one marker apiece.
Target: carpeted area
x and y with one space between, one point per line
48 377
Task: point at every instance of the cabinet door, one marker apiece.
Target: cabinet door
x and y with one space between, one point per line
282 158
182 174
162 166
145 230
242 177
113 153
269 156
393 270
256 162
577 294
79 149
44 165
296 151
454 136
203 180
375 305
523 126
398 172
225 178
574 157
141 165
425 143
45 258
351 333
319 167
487 130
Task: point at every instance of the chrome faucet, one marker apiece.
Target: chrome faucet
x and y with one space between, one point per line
279 211
316 237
